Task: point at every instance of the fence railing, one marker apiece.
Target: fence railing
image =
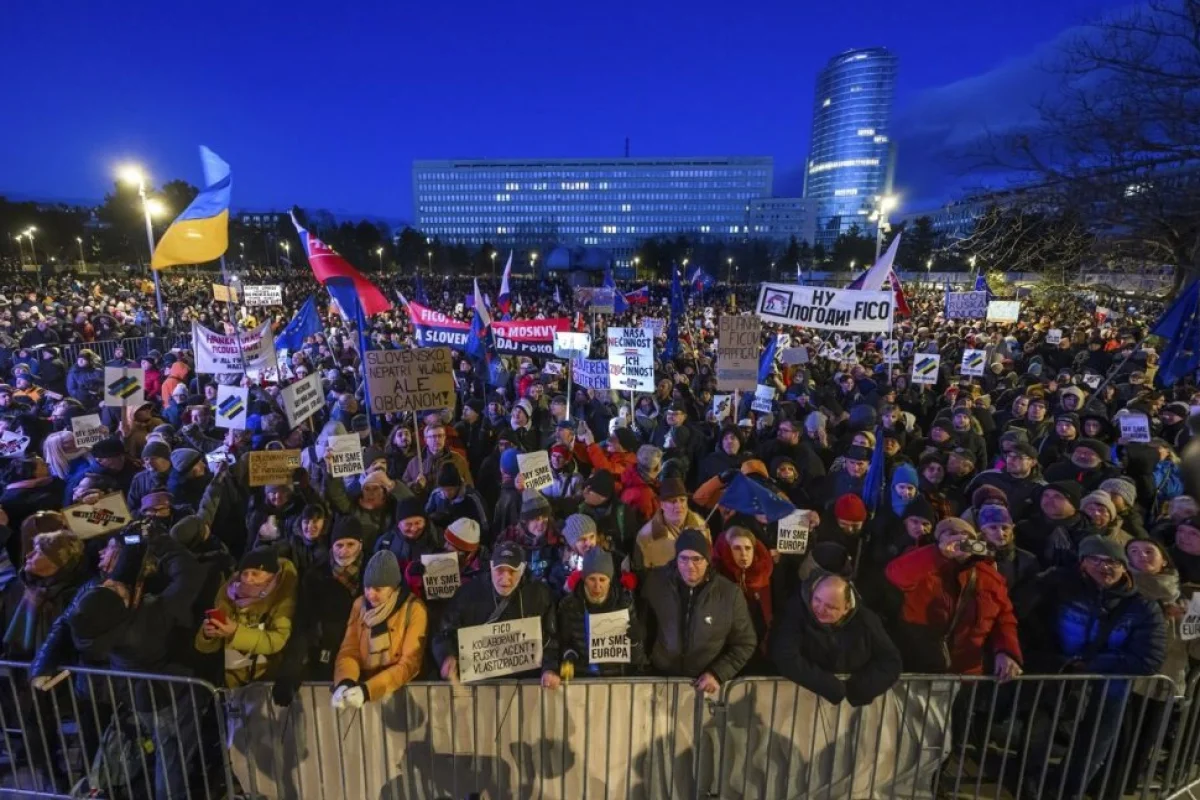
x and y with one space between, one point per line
133 347
928 736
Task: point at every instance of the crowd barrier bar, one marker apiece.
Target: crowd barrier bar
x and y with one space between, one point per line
134 347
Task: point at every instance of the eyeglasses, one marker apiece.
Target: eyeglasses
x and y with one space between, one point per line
1103 562
690 559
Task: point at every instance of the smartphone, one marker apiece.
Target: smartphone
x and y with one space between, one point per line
215 615
132 538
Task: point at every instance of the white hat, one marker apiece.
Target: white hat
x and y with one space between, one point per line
463 534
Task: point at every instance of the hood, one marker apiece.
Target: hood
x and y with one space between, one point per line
806 590
631 478
753 466
759 574
178 370
1162 588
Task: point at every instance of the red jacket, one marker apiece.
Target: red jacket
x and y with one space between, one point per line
932 585
755 582
637 493
616 463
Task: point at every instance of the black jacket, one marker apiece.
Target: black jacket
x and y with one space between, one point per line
573 631
322 610
477 603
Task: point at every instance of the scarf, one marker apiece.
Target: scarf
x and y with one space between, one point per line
380 641
36 612
245 595
349 575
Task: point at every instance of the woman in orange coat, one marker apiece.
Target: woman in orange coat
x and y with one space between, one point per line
385 637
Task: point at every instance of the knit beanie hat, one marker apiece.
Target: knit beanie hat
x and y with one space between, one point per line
463 534
694 540
108 448
1068 489
1102 498
598 560
525 406
1120 487
63 548
578 525
1096 446
534 505
849 507
184 459
448 475
920 507
383 571
989 495
1102 546
994 515
96 613
648 456
627 439
156 448
601 482
264 558
189 531
508 462
952 525
346 528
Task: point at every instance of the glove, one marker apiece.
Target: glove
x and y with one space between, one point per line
354 697
283 692
338 701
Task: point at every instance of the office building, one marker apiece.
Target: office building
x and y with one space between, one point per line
850 163
778 219
610 203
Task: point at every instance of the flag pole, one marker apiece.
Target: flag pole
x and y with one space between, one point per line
237 335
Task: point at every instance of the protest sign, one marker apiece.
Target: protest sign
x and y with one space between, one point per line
218 457
1189 626
535 469
124 386
268 295
1053 336
793 533
848 310
496 649
1004 311
1093 381
232 403
224 294
891 351
595 299
219 354
568 344
528 337
12 444
739 338
631 359
966 305
345 455
1135 427
552 368
656 325
722 407
303 398
925 368
907 348
794 355
107 514
409 380
269 467
590 373
608 637
973 362
88 430
764 396
441 577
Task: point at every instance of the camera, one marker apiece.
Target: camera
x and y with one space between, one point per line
974 547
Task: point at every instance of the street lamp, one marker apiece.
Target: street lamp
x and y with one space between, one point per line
430 254
379 252
82 259
884 204
134 176
636 260
685 262
242 246
287 251
852 263
493 266
32 251
729 272
20 247
533 261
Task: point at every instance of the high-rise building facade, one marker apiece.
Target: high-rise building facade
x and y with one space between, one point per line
850 163
779 219
612 203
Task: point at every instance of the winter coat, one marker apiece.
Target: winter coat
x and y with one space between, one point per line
176 374
508 510
567 483
573 632
151 382
409 550
615 521
78 379
542 554
145 482
477 603
754 582
323 608
813 654
407 628
655 545
615 463
933 586
1163 589
375 522
1054 542
1021 492
467 505
693 630
638 493
431 466
1089 479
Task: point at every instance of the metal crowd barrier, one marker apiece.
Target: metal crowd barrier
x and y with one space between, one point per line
134 347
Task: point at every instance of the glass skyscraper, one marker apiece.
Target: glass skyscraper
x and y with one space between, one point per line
612 203
850 162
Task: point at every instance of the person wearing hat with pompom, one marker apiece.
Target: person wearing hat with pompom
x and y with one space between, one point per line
537 533
384 645
596 589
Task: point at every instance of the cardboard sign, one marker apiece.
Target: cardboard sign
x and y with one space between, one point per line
410 380
497 649
891 351
268 467
608 637
739 344
221 354
973 362
764 396
966 305
793 533
345 455
303 398
925 368
270 295
1004 311
631 359
441 578
107 514
590 373
535 469
794 355
224 294
88 430
1189 626
847 310
572 345
124 386
232 403
1053 336
722 407
1135 427
12 444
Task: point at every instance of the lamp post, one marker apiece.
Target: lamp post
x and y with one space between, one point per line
493 266
430 254
287 251
82 259
134 176
32 251
242 247
379 252
884 204
533 262
20 247
636 260
729 272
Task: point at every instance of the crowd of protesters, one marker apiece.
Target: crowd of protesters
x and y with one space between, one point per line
1018 531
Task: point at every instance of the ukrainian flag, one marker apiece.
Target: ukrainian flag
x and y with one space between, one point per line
201 232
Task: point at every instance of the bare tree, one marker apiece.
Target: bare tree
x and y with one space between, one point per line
1022 238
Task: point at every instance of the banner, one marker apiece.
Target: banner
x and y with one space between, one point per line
973 362
521 338
925 368
793 533
722 407
124 386
268 295
1134 427
107 514
12 444
409 380
590 373
218 354
572 345
1004 311
631 359
271 467
608 637
232 403
345 455
441 577
966 305
496 649
303 398
88 430
764 396
848 310
739 344
535 469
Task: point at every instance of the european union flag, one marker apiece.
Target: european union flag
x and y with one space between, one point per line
419 292
875 479
306 323
1180 326
746 496
344 293
619 302
767 359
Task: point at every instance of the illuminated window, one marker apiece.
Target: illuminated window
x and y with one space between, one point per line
866 131
845 192
881 139
827 102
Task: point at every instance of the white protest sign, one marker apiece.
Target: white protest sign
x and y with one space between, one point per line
1189 626
232 404
973 362
1053 336
925 368
344 455
966 305
608 637
1135 427
124 386
270 295
722 407
656 325
891 351
535 469
218 354
303 398
568 344
590 373
631 359
109 513
441 578
794 355
496 649
1004 311
88 430
1092 380
459 309
793 533
848 310
12 444
552 368
763 397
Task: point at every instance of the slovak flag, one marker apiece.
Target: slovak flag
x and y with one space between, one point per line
701 280
639 297
504 300
883 274
327 264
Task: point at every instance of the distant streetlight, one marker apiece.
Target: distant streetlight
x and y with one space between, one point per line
29 232
287 251
852 263
20 248
430 254
929 265
242 247
379 252
636 260
135 176
685 262
729 272
884 205
82 260
493 265
533 261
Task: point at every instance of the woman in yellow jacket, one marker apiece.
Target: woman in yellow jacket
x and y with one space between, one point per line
251 618
384 643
